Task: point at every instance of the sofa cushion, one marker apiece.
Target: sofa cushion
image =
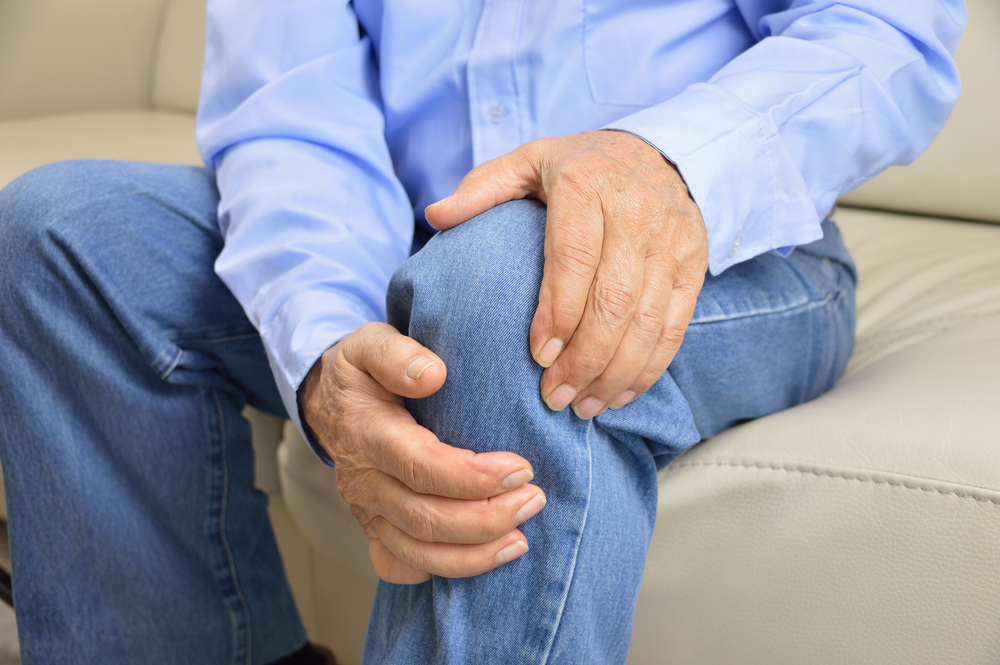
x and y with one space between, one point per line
958 175
862 526
150 136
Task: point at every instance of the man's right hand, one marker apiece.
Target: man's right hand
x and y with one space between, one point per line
427 507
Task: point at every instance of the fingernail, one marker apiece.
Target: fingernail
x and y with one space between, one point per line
560 398
418 366
622 400
518 478
549 353
512 551
531 508
437 203
588 408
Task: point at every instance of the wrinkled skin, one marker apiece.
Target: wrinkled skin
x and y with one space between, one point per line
625 257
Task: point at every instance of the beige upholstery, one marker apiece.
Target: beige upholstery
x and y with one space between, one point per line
61 56
142 135
180 54
861 527
104 79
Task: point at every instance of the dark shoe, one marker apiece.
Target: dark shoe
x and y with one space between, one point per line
310 654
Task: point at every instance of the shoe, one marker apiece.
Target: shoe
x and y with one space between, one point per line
310 654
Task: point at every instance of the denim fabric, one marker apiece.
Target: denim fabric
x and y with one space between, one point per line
766 334
136 534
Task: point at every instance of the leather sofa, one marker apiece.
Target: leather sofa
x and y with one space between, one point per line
861 527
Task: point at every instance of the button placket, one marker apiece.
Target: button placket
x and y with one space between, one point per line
493 102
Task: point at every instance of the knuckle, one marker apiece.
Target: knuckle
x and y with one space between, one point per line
366 521
672 337
578 176
614 302
358 489
648 321
494 522
418 474
422 523
414 474
416 557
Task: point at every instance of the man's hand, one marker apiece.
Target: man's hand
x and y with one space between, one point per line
428 508
625 258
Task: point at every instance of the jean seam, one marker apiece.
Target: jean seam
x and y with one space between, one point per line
791 309
215 340
173 364
576 549
225 571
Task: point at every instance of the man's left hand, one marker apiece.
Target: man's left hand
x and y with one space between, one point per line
625 257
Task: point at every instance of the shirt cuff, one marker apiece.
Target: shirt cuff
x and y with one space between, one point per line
293 350
750 193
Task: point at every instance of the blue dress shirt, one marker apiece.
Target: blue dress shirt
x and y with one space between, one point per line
332 124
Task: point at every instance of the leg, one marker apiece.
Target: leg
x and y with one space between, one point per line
136 533
766 335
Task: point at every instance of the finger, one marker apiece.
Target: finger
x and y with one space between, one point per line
448 559
400 363
396 445
390 569
437 519
512 176
574 236
642 337
610 307
683 299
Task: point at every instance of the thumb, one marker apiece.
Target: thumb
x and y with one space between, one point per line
401 364
515 175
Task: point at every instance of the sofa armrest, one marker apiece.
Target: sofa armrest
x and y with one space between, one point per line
61 56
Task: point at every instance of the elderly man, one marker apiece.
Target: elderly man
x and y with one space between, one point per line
590 163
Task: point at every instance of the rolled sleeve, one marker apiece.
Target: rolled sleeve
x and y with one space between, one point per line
314 218
832 94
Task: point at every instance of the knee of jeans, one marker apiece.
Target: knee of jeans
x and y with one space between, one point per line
473 289
39 213
29 207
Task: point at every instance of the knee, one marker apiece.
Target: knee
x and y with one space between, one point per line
44 193
41 213
29 207
474 288
33 206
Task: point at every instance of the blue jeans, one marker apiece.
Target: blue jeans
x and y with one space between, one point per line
136 534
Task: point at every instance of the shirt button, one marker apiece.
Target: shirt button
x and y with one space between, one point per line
736 246
496 114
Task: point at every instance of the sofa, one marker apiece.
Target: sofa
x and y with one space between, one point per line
863 526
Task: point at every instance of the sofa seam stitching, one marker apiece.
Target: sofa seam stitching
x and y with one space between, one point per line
839 476
888 336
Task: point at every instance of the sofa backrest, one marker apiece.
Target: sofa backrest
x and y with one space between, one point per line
69 56
180 56
959 175
62 56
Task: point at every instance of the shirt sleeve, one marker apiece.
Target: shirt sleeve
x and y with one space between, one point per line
831 94
314 219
